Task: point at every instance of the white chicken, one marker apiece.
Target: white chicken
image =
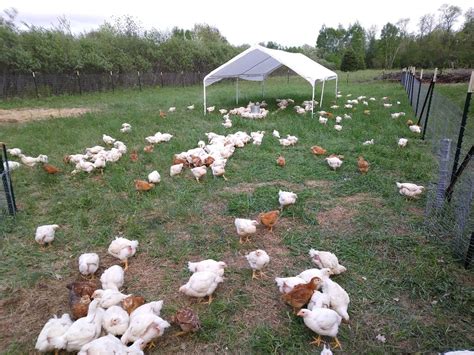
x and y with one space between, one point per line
108 139
125 128
85 166
415 128
286 198
172 109
276 134
308 274
326 259
347 117
339 299
286 284
334 106
410 190
222 111
12 165
323 120
28 161
154 177
110 344
146 326
88 263
338 119
245 228
190 107
45 234
348 106
150 307
14 152
115 320
322 321
334 161
218 170
176 169
208 265
202 284
257 259
402 142
211 109
108 298
387 105
83 330
55 327
319 300
199 172
112 278
370 142
227 123
338 127
122 249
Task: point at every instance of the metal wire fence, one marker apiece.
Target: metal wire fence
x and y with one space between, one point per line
41 85
7 196
448 218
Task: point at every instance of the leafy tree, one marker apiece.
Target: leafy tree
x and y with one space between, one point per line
349 61
448 16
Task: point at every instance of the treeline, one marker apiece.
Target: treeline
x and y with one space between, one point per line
124 46
435 44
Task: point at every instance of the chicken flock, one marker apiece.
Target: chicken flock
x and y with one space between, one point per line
105 320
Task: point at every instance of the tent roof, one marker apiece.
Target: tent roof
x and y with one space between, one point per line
257 62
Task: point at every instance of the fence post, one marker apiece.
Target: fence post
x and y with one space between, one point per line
182 77
79 82
433 81
161 78
412 85
470 251
288 76
418 95
444 150
457 173
463 125
7 184
139 81
36 84
112 81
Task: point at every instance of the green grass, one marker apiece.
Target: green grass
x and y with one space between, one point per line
380 237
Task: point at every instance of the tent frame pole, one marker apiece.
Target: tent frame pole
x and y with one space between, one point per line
312 101
237 91
336 89
322 93
263 88
204 85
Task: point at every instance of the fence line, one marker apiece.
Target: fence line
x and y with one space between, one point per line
449 212
40 85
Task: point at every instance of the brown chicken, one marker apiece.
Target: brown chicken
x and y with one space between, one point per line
317 150
269 219
196 161
363 165
329 114
142 185
148 148
301 294
80 293
132 302
187 320
281 161
162 114
208 161
50 169
134 155
66 159
410 123
177 160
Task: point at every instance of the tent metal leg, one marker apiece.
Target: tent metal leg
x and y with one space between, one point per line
322 93
204 99
312 102
237 91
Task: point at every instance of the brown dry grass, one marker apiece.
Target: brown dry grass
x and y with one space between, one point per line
36 114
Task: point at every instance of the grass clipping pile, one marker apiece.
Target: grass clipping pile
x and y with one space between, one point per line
37 114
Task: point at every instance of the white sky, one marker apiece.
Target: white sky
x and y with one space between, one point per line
290 23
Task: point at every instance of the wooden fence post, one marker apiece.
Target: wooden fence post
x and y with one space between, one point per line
79 82
36 84
139 81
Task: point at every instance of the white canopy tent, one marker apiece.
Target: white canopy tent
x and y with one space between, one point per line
257 62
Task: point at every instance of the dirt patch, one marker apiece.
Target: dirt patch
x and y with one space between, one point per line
37 114
340 218
251 187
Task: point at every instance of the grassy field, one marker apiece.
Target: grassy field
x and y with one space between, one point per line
402 285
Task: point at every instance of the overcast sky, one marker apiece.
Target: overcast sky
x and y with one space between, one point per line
289 23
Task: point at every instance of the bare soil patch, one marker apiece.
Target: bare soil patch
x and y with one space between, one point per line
37 114
340 218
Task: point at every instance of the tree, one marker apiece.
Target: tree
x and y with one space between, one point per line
356 40
448 16
389 44
349 61
426 24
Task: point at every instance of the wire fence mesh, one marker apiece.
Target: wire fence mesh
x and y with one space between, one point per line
7 197
450 220
41 85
